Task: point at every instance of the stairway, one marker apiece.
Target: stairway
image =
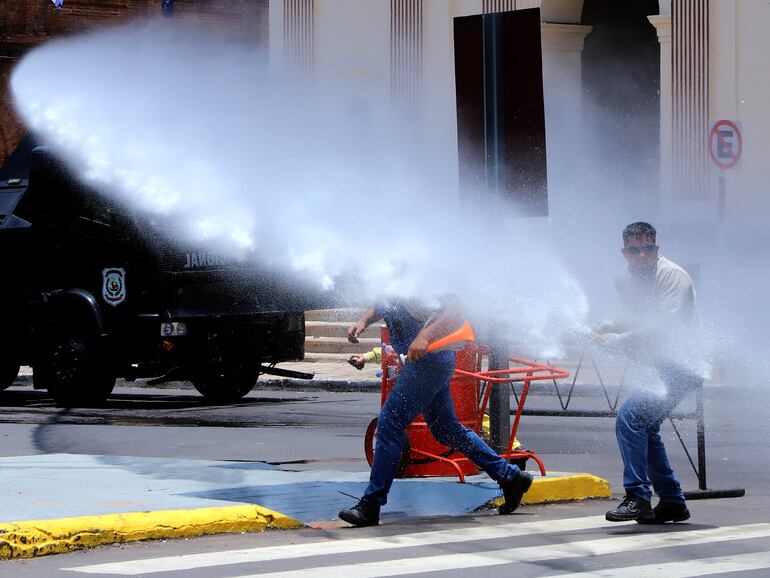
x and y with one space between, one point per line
326 333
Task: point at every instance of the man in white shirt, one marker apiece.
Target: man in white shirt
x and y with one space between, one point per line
658 319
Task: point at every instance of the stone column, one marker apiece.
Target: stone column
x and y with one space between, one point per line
562 46
293 21
662 25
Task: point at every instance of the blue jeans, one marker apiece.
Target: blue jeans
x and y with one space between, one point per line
424 388
637 428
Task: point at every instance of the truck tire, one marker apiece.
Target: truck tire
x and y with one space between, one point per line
8 373
74 371
222 384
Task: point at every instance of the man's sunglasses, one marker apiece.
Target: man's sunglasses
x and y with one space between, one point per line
637 249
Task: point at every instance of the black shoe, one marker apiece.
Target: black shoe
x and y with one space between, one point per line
365 513
513 492
667 512
632 508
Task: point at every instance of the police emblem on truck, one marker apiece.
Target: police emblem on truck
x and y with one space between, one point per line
114 285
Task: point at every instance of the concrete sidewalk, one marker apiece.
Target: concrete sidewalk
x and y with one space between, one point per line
66 501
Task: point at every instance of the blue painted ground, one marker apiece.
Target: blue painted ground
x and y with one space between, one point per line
65 485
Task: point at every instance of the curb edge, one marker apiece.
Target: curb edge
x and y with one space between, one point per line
28 539
562 489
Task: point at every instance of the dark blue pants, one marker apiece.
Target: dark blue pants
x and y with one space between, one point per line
645 463
424 388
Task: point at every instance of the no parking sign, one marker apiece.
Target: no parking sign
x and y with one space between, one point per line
725 148
725 143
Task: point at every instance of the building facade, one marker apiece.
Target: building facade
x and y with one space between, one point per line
632 91
634 87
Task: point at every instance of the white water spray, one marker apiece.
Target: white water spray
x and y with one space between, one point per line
197 130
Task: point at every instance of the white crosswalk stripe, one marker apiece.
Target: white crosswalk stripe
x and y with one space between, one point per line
570 543
686 568
581 548
192 561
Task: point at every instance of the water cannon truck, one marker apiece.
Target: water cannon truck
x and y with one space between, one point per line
92 291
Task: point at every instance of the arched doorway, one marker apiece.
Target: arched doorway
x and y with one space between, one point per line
621 103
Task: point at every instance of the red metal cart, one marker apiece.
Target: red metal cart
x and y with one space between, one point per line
422 454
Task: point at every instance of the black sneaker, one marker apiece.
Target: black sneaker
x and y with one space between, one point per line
365 513
667 512
632 508
513 492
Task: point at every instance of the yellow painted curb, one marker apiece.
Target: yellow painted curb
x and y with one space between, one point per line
41 537
564 489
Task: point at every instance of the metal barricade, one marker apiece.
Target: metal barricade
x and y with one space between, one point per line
612 398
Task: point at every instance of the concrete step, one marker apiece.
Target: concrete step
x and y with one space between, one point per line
336 345
311 357
338 329
348 315
326 332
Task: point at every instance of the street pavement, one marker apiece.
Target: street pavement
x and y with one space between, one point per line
724 538
69 501
90 477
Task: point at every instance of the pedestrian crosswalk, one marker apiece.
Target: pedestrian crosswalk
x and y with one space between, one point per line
565 547
345 546
685 568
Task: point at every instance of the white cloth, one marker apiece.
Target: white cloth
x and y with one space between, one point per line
658 317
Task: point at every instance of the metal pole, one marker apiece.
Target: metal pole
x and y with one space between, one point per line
493 103
499 401
701 437
500 397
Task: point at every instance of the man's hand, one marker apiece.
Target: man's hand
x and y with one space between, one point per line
355 330
611 340
357 361
417 349
369 317
606 327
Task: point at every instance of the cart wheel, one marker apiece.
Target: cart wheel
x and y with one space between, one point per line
369 441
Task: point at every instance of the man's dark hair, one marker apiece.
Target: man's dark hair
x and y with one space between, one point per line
638 230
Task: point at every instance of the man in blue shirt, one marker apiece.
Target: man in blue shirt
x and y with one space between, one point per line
422 386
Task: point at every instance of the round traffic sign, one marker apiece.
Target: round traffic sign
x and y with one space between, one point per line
725 144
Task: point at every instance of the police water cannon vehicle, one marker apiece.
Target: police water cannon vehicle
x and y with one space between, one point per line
92 291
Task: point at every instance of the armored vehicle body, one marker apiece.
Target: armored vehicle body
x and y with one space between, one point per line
92 291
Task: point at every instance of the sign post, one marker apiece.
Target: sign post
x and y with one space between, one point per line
725 148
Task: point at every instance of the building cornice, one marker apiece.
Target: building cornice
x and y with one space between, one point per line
568 37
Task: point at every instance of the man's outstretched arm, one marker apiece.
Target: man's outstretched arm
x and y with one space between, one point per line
369 317
445 322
